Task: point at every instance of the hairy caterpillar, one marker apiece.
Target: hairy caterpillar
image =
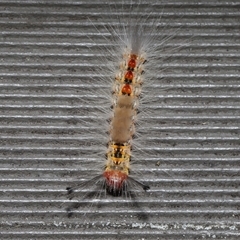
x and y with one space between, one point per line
132 57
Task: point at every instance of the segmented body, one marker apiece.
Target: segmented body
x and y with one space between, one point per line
126 92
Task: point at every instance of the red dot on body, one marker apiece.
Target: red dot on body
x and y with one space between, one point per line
129 75
133 56
126 89
132 63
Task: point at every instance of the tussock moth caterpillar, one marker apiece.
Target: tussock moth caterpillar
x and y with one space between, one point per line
129 69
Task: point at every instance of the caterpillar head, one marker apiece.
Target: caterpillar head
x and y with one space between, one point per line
115 182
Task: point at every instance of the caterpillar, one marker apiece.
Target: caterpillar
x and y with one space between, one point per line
126 92
135 54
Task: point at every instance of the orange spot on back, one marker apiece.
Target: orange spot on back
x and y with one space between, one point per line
129 75
132 63
133 56
126 89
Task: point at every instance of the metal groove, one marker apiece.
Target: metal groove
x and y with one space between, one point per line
52 126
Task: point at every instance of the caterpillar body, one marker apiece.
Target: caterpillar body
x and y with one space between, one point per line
132 66
127 89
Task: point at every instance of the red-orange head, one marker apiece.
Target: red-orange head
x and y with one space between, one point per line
115 182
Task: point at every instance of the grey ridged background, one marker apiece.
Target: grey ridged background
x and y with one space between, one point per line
194 161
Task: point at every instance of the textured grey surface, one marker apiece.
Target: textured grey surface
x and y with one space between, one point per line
191 134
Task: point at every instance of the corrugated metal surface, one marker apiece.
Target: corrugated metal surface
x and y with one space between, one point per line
45 69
